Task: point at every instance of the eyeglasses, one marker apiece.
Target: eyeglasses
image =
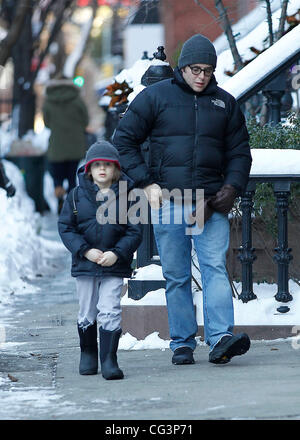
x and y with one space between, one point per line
196 70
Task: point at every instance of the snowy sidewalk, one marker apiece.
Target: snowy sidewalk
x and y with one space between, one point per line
40 354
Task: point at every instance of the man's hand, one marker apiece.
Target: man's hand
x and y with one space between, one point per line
154 195
108 259
93 255
224 199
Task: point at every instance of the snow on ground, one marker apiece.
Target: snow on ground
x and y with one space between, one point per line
260 311
23 255
23 252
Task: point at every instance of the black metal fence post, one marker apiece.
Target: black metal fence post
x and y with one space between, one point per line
247 256
274 91
283 256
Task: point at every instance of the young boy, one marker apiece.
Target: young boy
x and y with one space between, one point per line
101 257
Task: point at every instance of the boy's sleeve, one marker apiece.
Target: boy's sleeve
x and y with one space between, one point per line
129 242
67 228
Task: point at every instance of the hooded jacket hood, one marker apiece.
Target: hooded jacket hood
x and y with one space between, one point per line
61 90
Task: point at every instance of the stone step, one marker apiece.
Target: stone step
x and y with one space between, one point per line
140 321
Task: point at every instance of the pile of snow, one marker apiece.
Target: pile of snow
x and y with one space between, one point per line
152 341
250 37
148 272
133 78
245 25
32 143
260 311
275 161
155 297
264 64
23 253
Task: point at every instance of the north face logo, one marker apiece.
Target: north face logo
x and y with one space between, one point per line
218 102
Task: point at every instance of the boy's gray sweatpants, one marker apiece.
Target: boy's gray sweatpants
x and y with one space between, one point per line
99 299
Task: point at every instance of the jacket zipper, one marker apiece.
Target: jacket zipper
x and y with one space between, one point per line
195 141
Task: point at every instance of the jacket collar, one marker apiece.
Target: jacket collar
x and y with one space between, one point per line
179 80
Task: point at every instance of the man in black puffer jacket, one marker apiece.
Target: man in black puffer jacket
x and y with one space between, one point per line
198 141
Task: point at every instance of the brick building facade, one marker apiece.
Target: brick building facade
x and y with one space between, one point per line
184 18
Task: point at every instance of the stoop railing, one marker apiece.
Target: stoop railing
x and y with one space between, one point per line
147 252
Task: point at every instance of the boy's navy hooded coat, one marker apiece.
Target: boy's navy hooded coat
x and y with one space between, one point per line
82 232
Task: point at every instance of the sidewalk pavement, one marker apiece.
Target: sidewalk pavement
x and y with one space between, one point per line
39 377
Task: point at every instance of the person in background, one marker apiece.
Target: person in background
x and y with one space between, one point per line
101 257
66 115
198 140
5 183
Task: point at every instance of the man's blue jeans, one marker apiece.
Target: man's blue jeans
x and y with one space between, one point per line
175 248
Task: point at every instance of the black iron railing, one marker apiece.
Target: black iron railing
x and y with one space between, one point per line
281 186
147 253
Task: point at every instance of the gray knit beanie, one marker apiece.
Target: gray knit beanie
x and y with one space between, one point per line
102 150
197 49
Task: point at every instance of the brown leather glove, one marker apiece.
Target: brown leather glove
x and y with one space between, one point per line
224 199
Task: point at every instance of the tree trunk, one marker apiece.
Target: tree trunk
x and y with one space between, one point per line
226 25
16 26
270 23
75 57
23 97
282 19
54 32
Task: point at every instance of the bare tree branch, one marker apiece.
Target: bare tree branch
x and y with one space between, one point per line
55 30
206 10
270 23
9 41
282 19
76 56
226 25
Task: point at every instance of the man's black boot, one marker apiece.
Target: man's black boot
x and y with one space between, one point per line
109 341
182 356
89 349
228 347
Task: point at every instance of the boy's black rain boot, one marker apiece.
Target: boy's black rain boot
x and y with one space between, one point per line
109 341
228 347
89 350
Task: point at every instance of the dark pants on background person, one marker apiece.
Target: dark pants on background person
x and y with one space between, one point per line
63 170
59 172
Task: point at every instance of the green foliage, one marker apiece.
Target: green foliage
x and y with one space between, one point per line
282 136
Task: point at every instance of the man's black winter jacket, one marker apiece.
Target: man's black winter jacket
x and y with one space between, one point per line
196 140
82 232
